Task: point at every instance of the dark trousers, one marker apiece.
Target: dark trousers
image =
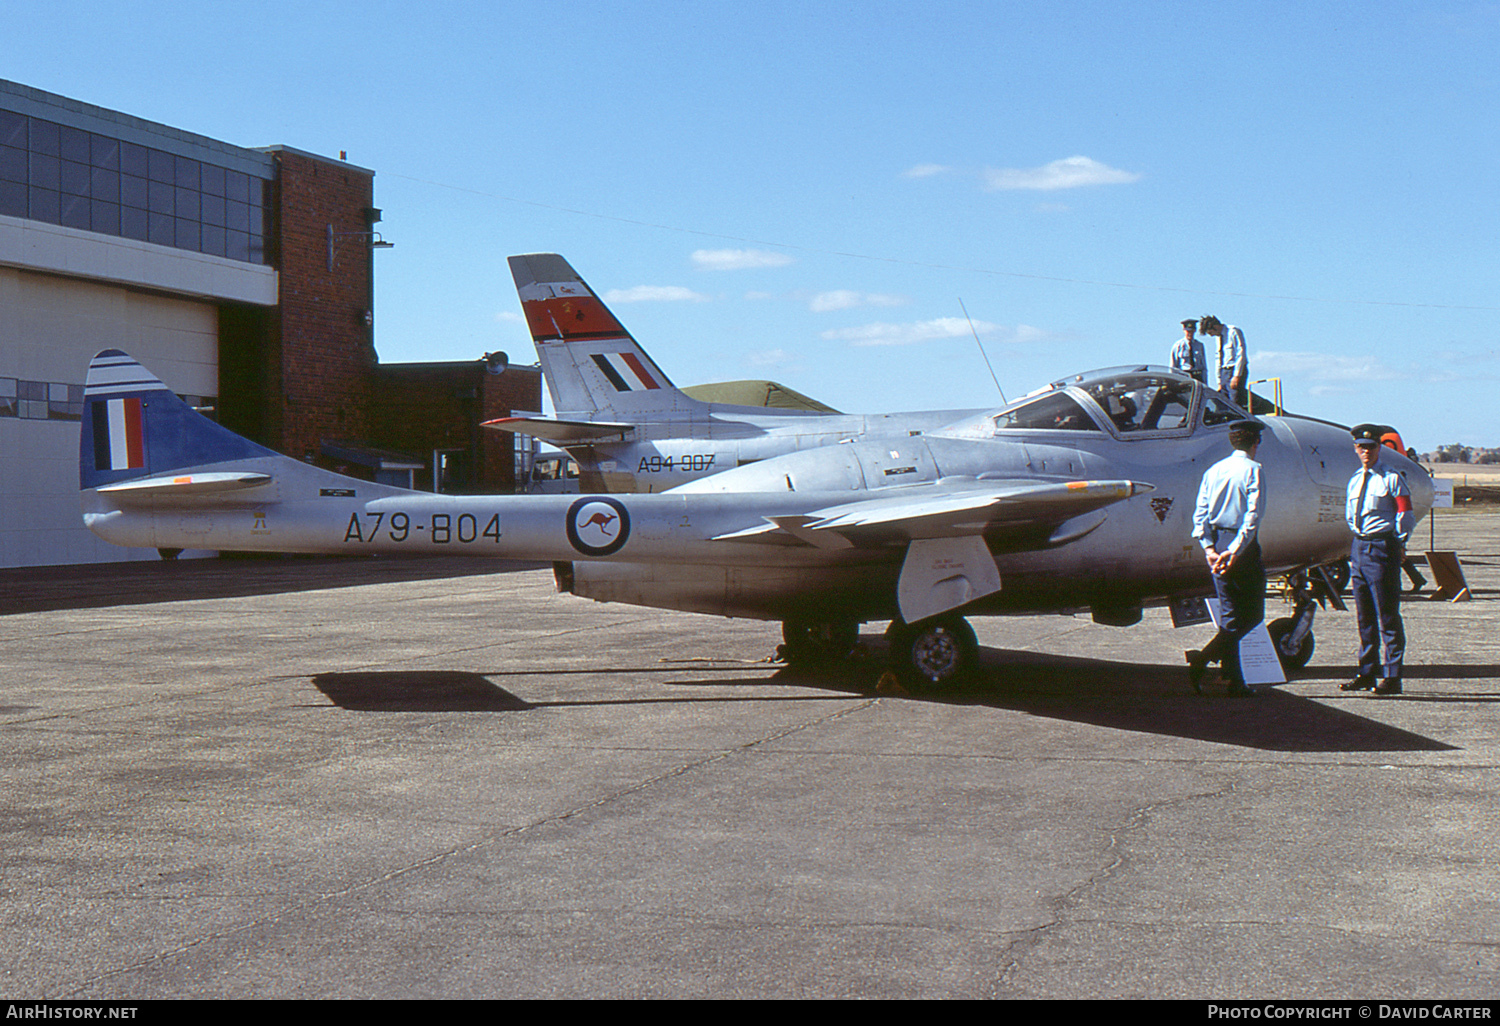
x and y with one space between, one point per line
1375 580
1242 605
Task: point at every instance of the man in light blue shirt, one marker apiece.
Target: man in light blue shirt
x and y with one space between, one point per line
1378 510
1226 522
1234 363
1188 355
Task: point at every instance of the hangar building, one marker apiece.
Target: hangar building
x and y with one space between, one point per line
244 278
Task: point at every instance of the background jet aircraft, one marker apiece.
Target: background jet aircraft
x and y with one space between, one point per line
1077 497
628 426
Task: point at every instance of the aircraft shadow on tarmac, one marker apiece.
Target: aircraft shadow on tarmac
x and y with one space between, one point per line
1140 697
1152 699
459 691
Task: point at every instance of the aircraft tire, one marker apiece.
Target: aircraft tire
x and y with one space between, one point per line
812 643
1291 658
933 654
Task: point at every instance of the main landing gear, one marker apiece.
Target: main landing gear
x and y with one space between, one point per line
933 653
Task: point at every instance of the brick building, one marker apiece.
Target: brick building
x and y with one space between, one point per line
243 277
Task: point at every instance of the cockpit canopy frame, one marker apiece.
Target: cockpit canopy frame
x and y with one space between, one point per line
1130 402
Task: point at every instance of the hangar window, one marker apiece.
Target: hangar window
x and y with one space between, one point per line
40 400
64 175
54 400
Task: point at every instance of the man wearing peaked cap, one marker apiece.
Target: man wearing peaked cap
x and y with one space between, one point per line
1378 510
1226 522
1188 355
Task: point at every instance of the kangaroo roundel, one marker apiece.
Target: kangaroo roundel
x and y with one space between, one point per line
598 526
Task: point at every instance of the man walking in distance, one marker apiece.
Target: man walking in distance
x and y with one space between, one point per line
1234 364
1226 522
1378 510
1188 355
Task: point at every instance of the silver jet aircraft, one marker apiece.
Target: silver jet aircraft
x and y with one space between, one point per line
1077 497
628 427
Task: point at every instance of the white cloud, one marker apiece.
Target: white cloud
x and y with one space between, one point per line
654 294
738 259
846 299
917 332
769 358
910 333
508 317
925 170
1323 367
1069 173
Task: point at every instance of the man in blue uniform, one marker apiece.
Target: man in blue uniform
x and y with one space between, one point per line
1188 355
1226 522
1378 510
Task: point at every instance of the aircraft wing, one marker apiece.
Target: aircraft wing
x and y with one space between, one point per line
938 511
562 432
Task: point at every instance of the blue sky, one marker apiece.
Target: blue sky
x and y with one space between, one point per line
807 191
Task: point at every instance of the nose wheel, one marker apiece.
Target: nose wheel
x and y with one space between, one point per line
936 653
1294 652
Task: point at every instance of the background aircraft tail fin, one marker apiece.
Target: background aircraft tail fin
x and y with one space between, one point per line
135 427
589 360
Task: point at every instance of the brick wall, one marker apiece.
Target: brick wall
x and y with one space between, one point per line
425 406
322 365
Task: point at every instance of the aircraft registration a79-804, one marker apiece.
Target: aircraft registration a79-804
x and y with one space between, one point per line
624 422
1077 497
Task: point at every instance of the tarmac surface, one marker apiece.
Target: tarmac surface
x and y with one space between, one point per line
387 779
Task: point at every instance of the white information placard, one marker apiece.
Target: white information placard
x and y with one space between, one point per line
1258 659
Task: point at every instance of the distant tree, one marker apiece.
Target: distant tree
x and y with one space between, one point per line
1489 456
1455 453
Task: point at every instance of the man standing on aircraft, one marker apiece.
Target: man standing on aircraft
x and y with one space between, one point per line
1188 356
1226 522
1378 510
1234 365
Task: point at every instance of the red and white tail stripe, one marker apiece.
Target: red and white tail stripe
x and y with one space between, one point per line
563 311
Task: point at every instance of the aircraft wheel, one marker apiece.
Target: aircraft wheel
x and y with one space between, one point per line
1293 657
936 653
810 643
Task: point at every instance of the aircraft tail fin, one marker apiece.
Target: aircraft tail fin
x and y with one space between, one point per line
589 360
135 428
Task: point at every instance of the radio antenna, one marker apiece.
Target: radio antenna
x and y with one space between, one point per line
982 353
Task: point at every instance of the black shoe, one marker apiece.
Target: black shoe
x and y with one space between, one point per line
1389 686
1197 666
1364 682
1238 690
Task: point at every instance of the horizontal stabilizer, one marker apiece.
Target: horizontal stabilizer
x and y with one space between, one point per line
562 432
186 484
